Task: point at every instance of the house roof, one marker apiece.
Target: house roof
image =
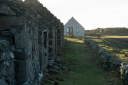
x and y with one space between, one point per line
73 21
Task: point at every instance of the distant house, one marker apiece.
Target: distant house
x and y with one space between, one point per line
73 28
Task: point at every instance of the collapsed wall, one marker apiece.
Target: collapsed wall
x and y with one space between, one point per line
30 39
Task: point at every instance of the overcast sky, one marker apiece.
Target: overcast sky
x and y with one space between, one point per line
91 13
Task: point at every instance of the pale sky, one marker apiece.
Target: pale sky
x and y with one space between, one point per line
91 13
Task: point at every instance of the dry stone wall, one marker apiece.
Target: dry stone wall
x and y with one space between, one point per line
108 61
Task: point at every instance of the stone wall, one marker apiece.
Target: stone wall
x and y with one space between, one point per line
108 61
34 38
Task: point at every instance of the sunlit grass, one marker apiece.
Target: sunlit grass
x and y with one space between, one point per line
74 40
115 37
114 50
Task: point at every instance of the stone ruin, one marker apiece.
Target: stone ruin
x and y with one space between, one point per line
31 39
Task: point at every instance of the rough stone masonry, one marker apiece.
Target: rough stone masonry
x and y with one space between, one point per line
31 39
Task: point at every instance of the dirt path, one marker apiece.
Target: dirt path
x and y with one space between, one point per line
82 62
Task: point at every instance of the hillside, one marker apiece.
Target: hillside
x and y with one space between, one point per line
109 31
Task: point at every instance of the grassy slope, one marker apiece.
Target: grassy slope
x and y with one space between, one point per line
82 63
114 45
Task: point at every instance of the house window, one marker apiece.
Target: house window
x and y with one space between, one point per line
67 29
77 30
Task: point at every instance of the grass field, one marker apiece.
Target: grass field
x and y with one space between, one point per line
83 66
115 37
117 45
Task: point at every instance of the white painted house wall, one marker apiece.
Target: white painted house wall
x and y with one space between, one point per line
74 28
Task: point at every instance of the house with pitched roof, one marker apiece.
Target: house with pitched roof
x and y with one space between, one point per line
73 28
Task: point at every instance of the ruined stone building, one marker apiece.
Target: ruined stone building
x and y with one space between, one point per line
30 40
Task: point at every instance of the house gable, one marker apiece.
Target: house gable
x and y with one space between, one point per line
73 28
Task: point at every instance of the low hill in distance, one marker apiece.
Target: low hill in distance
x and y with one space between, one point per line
109 31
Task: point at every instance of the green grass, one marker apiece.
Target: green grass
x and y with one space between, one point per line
115 37
83 69
116 45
